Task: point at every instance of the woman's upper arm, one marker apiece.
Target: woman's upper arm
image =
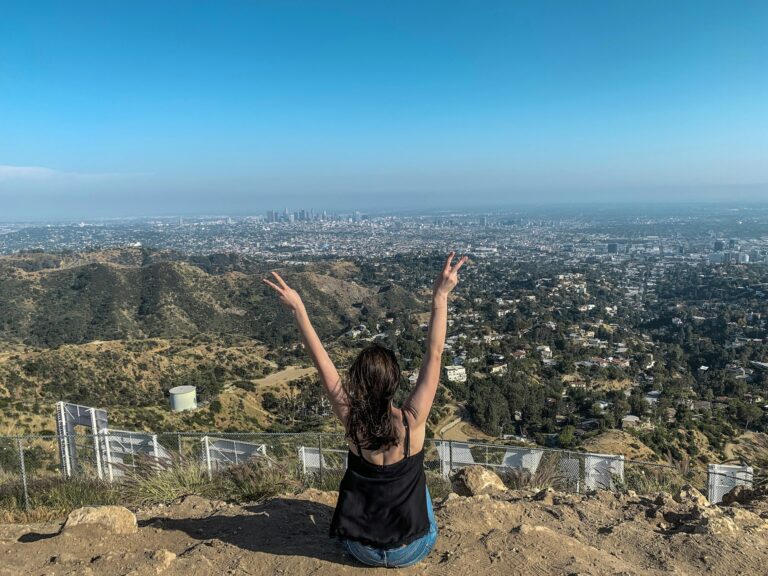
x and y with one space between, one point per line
334 390
419 403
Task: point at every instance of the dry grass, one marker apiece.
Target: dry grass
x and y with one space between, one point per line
53 498
546 476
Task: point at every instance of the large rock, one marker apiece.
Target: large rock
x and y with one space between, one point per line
741 495
108 519
690 495
476 480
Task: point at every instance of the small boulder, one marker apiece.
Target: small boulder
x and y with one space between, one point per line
740 495
690 495
713 521
663 499
108 519
193 506
546 497
534 530
162 559
476 480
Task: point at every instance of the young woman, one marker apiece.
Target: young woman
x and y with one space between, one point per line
384 512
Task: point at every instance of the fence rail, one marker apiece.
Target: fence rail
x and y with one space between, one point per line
320 458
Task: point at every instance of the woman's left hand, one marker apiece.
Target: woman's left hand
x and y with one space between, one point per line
288 296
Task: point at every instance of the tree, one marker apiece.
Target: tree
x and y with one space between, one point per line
638 403
567 436
748 413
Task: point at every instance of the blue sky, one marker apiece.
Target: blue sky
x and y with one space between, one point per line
126 108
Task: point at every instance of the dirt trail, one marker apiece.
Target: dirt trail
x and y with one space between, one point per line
279 379
508 533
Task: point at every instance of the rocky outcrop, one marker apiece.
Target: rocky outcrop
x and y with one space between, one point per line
476 480
514 532
690 495
745 495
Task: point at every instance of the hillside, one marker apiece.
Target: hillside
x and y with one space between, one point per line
49 299
118 328
619 442
514 533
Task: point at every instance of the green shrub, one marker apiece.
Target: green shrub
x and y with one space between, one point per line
439 486
147 486
258 480
650 480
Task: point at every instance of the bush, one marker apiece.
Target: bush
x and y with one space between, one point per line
439 486
147 486
650 480
546 476
258 480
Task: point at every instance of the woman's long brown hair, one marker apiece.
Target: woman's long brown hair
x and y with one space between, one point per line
373 379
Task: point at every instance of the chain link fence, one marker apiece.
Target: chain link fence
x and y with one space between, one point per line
30 465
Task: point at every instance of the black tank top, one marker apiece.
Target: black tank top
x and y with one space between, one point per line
384 506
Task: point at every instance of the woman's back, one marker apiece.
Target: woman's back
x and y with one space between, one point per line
383 504
392 454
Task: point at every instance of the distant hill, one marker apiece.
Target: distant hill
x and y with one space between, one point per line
72 298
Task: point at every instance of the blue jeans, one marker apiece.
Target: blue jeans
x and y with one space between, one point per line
397 557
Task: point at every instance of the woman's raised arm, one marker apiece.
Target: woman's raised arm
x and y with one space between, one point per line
329 376
419 403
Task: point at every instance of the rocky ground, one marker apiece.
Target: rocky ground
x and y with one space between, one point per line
490 532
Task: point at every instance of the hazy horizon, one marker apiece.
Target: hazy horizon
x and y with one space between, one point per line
530 208
241 107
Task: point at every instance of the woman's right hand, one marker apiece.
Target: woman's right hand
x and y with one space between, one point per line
448 277
288 296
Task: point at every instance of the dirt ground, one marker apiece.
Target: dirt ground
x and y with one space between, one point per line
510 533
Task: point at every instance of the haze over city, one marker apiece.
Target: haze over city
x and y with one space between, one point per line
145 108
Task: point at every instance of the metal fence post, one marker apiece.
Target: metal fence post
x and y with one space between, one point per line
96 446
178 442
108 455
450 457
320 455
23 474
207 457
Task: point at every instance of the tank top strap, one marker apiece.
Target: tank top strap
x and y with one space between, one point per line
407 435
359 449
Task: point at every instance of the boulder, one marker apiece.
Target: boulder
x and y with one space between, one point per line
108 519
476 480
690 495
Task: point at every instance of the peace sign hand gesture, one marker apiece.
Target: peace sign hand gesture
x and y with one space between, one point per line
448 277
288 296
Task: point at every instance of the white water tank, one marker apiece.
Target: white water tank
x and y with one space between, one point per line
183 398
